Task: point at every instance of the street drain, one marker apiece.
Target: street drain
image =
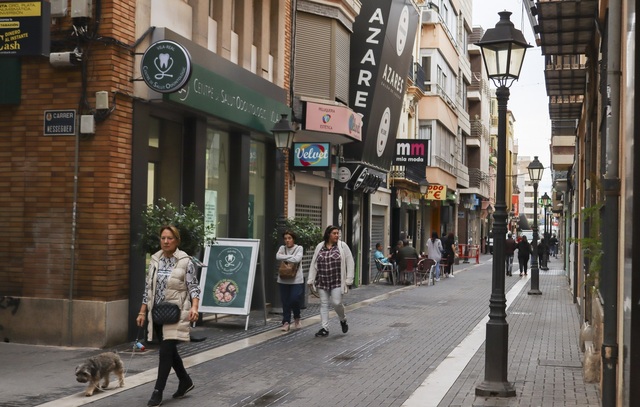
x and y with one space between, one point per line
399 325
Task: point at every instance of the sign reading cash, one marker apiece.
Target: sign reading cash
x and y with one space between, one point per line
166 66
381 50
25 28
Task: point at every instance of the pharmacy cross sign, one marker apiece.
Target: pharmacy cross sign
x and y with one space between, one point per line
166 66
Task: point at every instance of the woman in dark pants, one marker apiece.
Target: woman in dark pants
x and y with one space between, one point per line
450 253
524 251
171 278
291 290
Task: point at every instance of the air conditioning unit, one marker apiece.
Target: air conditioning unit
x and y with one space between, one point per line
429 17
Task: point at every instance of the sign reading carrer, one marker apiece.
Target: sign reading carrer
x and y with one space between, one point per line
166 66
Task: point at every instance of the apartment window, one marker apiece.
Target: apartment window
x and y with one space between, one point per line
426 66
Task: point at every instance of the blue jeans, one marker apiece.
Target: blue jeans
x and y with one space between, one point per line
291 296
508 263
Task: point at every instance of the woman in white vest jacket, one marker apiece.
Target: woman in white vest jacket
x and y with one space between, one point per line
171 277
331 273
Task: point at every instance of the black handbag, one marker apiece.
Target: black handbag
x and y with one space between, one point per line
165 313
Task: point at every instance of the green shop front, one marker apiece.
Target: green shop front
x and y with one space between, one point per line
210 143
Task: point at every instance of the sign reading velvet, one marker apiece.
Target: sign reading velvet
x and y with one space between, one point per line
311 156
381 50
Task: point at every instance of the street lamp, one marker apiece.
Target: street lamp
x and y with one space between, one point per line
283 133
503 49
424 188
535 174
545 200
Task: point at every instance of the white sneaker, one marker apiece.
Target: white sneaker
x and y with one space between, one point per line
437 279
451 275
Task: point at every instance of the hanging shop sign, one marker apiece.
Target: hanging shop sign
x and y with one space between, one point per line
166 66
437 192
359 177
411 151
311 156
25 28
381 54
333 119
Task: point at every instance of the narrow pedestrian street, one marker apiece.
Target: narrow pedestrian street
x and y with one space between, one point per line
406 346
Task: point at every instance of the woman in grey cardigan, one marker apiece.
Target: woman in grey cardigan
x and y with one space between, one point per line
331 273
291 289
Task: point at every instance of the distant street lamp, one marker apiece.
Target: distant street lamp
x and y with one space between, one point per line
545 200
503 49
535 174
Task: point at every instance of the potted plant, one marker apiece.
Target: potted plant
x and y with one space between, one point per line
189 220
308 234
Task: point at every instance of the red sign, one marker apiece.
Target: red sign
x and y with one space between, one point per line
515 204
333 119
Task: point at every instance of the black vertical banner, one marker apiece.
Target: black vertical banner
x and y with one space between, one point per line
381 51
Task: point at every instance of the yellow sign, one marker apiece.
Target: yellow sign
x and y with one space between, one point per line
437 192
26 9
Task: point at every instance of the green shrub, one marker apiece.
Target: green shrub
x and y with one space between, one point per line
188 219
308 234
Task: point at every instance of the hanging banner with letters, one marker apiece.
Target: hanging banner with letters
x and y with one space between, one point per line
381 52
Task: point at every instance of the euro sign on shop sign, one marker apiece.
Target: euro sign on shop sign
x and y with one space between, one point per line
166 66
437 192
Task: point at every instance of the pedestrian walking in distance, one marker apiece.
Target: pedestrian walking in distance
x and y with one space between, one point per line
331 274
509 250
524 251
291 289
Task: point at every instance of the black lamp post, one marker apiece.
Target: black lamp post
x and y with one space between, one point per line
283 133
545 200
535 174
424 188
503 49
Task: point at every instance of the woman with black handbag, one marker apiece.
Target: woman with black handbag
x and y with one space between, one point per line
171 278
291 286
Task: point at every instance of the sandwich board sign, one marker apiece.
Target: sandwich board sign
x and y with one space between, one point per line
227 280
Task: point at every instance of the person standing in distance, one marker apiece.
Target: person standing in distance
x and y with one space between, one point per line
434 252
509 249
331 273
172 278
291 290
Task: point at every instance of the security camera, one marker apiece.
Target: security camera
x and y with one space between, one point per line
63 59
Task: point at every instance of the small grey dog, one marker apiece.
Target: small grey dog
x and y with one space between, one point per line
98 368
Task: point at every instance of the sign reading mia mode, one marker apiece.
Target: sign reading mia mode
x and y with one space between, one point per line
226 284
59 122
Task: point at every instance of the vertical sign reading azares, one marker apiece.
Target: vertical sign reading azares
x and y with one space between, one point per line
166 66
381 49
25 28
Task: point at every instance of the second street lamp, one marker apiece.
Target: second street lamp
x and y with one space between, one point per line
535 174
503 49
545 200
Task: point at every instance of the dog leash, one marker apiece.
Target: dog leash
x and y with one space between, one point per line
136 345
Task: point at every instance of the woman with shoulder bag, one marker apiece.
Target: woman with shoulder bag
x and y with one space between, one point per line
291 289
171 279
331 273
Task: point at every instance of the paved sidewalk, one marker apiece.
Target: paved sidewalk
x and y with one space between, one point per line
407 346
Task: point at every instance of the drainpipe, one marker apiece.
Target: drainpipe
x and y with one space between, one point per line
611 211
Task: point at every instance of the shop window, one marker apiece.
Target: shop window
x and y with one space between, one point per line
216 201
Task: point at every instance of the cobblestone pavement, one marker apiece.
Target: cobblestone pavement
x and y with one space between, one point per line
406 346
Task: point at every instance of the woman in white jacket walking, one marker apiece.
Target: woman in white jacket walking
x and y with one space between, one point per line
331 273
